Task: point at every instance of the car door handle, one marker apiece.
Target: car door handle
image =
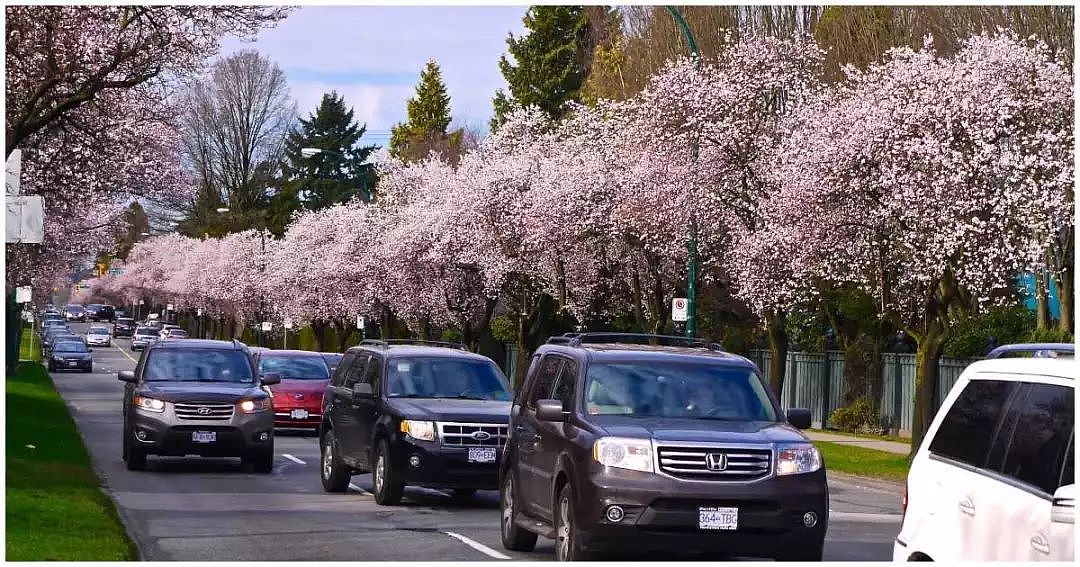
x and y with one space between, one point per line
1039 543
967 507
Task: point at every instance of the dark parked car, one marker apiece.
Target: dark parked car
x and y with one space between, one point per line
618 446
75 313
298 398
124 327
70 355
197 397
423 415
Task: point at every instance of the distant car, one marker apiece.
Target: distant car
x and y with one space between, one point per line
93 310
51 324
173 334
143 336
332 360
53 338
994 478
298 398
155 324
75 313
70 355
124 327
197 397
98 336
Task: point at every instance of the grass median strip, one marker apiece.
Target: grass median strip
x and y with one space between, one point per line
860 461
55 507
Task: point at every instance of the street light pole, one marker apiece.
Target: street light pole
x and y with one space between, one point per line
691 244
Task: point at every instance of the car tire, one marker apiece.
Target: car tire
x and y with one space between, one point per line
387 487
52 368
514 537
89 370
335 475
261 461
567 546
136 458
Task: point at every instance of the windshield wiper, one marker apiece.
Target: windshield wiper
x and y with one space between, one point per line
465 397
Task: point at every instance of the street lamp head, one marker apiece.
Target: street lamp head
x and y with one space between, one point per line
223 209
310 152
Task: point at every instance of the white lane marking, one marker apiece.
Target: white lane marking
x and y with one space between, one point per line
358 489
477 546
293 459
124 352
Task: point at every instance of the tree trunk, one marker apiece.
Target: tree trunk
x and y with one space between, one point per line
775 323
1042 302
1065 286
318 327
927 358
344 332
639 311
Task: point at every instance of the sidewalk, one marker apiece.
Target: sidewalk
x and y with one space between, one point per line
880 445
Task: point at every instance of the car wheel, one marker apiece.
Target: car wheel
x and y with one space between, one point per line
567 547
387 487
89 369
514 537
335 475
52 368
262 461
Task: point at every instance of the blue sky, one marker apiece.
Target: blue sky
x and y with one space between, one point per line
373 55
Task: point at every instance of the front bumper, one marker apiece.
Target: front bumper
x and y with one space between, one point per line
165 434
662 513
68 365
441 466
92 342
283 415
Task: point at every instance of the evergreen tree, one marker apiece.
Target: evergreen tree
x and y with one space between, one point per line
336 174
428 121
551 61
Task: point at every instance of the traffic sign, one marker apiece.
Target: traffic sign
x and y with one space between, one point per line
169 307
678 309
22 294
267 326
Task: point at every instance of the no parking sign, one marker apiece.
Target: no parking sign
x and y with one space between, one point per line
678 309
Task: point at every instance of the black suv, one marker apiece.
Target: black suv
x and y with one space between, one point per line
124 327
198 397
424 414
669 445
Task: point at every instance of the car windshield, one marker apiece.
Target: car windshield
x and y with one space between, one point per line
145 331
65 337
70 346
669 389
332 360
445 378
295 367
97 331
122 321
197 365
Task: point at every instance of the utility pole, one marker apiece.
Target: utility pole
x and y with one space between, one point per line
691 244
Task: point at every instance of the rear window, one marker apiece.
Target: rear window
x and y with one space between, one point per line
197 365
98 331
295 367
178 334
145 331
969 427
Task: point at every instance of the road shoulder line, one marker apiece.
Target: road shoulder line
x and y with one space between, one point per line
477 546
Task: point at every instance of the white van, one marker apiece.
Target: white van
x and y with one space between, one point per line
994 477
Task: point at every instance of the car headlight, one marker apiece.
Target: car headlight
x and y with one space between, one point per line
797 459
149 404
624 453
423 430
255 406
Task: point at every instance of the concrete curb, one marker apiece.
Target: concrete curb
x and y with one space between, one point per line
871 483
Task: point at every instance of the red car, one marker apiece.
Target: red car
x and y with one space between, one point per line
297 399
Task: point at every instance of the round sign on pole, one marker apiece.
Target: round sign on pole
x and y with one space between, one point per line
678 309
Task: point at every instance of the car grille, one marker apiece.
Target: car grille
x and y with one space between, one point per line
204 410
715 463
473 434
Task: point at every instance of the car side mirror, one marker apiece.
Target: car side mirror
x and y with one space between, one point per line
270 378
550 410
1063 507
126 376
799 417
362 391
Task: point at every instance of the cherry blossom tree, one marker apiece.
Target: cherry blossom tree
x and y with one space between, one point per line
928 182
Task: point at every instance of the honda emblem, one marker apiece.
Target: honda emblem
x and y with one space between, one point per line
716 461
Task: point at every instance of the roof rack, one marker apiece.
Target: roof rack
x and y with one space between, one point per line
578 339
392 342
1037 350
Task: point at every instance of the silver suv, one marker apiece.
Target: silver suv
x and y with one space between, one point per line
198 397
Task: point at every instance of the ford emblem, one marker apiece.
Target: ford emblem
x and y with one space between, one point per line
481 435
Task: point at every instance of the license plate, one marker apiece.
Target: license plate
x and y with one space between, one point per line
73 364
714 518
481 454
204 436
298 414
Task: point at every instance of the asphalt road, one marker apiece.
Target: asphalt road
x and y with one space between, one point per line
215 510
